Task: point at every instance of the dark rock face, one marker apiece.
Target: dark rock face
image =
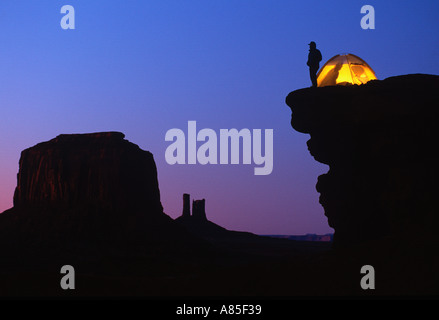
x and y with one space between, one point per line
379 140
197 222
88 170
199 209
186 205
88 194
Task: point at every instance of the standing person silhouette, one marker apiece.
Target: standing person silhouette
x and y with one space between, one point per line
314 58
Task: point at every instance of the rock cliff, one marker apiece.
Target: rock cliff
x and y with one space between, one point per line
379 140
88 170
89 194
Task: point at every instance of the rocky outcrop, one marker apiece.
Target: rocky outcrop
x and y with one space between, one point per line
199 209
186 205
88 193
197 222
99 170
379 140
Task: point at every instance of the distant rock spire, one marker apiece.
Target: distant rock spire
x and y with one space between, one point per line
186 205
199 209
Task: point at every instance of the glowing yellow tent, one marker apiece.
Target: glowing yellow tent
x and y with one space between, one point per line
345 69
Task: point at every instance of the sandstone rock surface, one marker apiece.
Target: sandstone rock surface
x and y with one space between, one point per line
380 141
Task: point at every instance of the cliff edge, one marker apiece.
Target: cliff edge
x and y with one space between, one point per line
379 141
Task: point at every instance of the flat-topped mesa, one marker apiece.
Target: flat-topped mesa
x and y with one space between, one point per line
82 137
96 170
379 140
89 196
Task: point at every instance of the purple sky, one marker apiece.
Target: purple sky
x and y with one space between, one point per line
144 67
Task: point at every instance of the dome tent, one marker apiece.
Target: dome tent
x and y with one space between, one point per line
345 69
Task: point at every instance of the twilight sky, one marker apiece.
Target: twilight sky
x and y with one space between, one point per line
143 67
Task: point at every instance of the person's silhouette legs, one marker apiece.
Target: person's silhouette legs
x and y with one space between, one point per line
313 76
